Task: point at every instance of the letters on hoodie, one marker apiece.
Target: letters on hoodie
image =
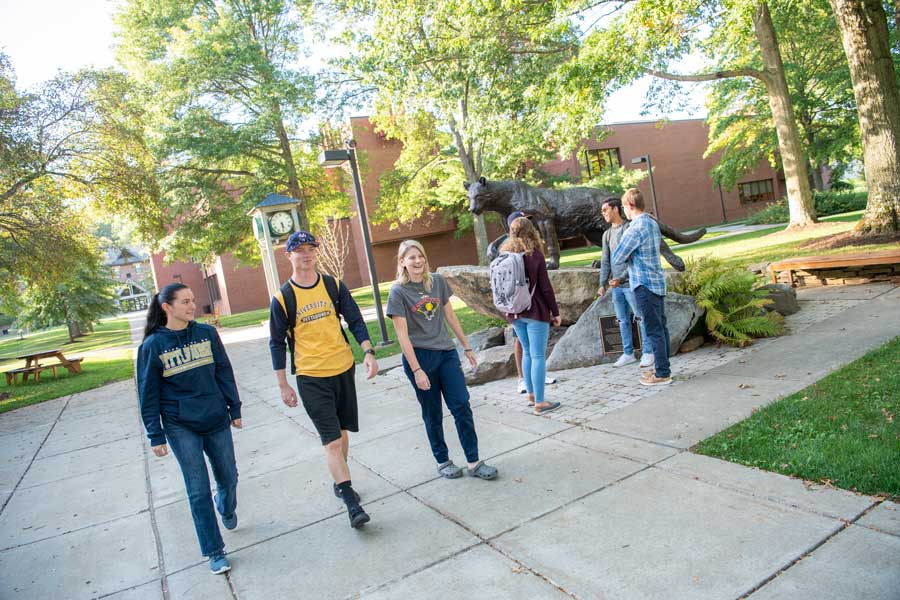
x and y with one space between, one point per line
186 358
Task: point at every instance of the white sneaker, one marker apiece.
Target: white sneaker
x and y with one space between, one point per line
549 380
625 359
647 360
521 387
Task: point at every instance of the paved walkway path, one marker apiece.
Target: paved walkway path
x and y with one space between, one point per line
601 501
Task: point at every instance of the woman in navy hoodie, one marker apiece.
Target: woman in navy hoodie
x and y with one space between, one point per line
188 401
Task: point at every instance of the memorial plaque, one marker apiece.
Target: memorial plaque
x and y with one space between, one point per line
611 336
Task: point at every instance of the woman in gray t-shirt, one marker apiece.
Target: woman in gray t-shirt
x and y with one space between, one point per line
419 306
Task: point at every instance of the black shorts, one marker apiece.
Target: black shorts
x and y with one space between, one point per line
331 403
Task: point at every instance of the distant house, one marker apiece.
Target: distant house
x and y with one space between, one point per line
131 268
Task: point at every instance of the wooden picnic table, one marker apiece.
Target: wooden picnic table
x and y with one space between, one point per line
34 366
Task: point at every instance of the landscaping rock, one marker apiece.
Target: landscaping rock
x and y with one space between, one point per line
484 339
580 346
691 344
494 363
575 289
784 298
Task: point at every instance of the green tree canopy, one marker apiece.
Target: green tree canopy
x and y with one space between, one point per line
741 124
458 83
649 37
227 96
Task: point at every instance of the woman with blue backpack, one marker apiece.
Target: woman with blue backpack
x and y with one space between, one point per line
419 306
528 303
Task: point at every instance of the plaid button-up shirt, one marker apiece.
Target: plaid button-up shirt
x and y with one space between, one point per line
639 251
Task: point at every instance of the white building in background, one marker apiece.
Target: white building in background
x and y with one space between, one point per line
131 268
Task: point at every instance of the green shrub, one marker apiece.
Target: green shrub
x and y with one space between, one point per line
827 203
735 312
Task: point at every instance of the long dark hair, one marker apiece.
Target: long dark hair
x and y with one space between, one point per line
156 316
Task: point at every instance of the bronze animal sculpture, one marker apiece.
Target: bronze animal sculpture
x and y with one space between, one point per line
559 214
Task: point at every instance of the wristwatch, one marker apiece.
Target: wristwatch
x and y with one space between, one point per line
370 351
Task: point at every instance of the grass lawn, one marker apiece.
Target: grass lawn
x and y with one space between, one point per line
251 317
96 371
843 430
107 334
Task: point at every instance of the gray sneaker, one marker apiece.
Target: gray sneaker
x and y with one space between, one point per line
483 471
449 470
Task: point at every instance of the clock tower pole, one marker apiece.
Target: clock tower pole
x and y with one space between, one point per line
274 219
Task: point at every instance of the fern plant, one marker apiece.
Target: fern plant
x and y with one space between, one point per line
735 312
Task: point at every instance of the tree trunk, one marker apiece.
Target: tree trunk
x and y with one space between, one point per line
72 326
800 199
817 182
290 170
864 31
472 175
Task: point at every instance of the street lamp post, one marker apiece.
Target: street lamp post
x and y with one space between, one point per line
645 158
336 158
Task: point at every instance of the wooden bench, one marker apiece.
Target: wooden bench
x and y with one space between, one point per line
72 364
858 268
12 376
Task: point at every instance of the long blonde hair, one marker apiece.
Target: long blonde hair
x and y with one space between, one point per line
523 237
402 273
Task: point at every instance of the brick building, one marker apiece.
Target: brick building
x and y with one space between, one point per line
686 197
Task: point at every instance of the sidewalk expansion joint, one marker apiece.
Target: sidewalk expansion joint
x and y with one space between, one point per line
34 457
151 508
97 445
76 530
751 494
842 527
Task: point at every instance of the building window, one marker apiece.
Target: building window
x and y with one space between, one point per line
212 286
596 161
757 191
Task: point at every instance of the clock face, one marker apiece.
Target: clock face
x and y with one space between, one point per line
281 222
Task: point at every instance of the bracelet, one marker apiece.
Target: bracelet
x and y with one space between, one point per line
418 369
369 351
467 350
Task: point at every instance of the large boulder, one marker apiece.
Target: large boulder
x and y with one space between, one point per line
580 346
575 289
483 339
783 297
494 363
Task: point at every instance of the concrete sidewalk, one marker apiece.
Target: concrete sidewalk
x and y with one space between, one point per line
601 501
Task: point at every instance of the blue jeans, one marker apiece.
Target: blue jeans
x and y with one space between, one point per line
447 379
189 447
626 306
533 336
653 310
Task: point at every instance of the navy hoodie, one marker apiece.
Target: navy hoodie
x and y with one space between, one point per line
185 378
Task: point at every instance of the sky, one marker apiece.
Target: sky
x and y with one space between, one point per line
46 36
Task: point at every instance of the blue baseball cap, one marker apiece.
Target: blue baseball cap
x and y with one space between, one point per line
298 238
515 215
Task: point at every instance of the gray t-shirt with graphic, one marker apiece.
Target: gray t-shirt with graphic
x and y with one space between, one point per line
423 311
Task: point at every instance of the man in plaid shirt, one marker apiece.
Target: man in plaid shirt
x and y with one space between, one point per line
639 251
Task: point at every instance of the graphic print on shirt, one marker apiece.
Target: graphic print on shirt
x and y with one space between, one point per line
427 306
179 360
313 311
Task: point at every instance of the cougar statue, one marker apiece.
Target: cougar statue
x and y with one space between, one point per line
558 214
